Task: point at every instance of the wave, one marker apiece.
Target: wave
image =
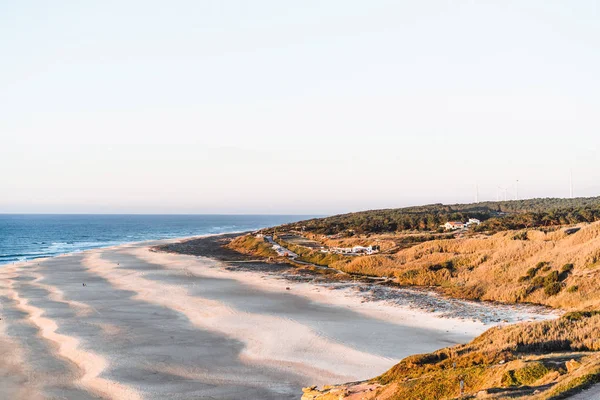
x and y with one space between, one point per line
9 258
54 249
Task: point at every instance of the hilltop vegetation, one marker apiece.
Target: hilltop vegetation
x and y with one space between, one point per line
502 215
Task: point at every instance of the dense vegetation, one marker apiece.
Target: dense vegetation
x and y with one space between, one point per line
502 215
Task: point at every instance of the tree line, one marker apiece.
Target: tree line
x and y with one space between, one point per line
495 216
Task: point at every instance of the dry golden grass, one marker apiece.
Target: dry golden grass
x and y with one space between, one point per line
492 267
249 244
551 357
387 242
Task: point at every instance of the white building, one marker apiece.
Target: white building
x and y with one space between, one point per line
473 221
362 249
355 250
453 225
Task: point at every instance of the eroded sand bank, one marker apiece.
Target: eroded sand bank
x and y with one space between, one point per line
150 325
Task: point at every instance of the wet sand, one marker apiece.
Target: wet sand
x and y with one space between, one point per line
151 325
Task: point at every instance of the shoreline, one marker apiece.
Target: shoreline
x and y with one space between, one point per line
108 246
334 332
240 270
368 292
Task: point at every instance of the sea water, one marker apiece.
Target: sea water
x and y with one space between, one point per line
30 236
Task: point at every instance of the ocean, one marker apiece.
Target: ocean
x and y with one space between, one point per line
30 236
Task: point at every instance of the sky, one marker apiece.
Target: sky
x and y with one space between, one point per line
299 107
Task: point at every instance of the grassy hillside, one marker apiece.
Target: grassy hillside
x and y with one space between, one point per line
248 244
543 360
560 268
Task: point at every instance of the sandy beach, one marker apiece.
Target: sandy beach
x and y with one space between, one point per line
128 322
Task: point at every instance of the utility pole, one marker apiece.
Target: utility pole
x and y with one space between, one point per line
571 183
476 193
517 191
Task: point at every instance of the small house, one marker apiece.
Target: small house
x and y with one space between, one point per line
473 221
453 225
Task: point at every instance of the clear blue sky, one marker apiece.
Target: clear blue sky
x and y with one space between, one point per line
294 107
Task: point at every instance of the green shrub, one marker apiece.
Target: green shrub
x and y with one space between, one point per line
567 268
527 375
552 288
579 315
538 281
531 372
552 277
449 265
508 379
531 272
520 236
572 289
